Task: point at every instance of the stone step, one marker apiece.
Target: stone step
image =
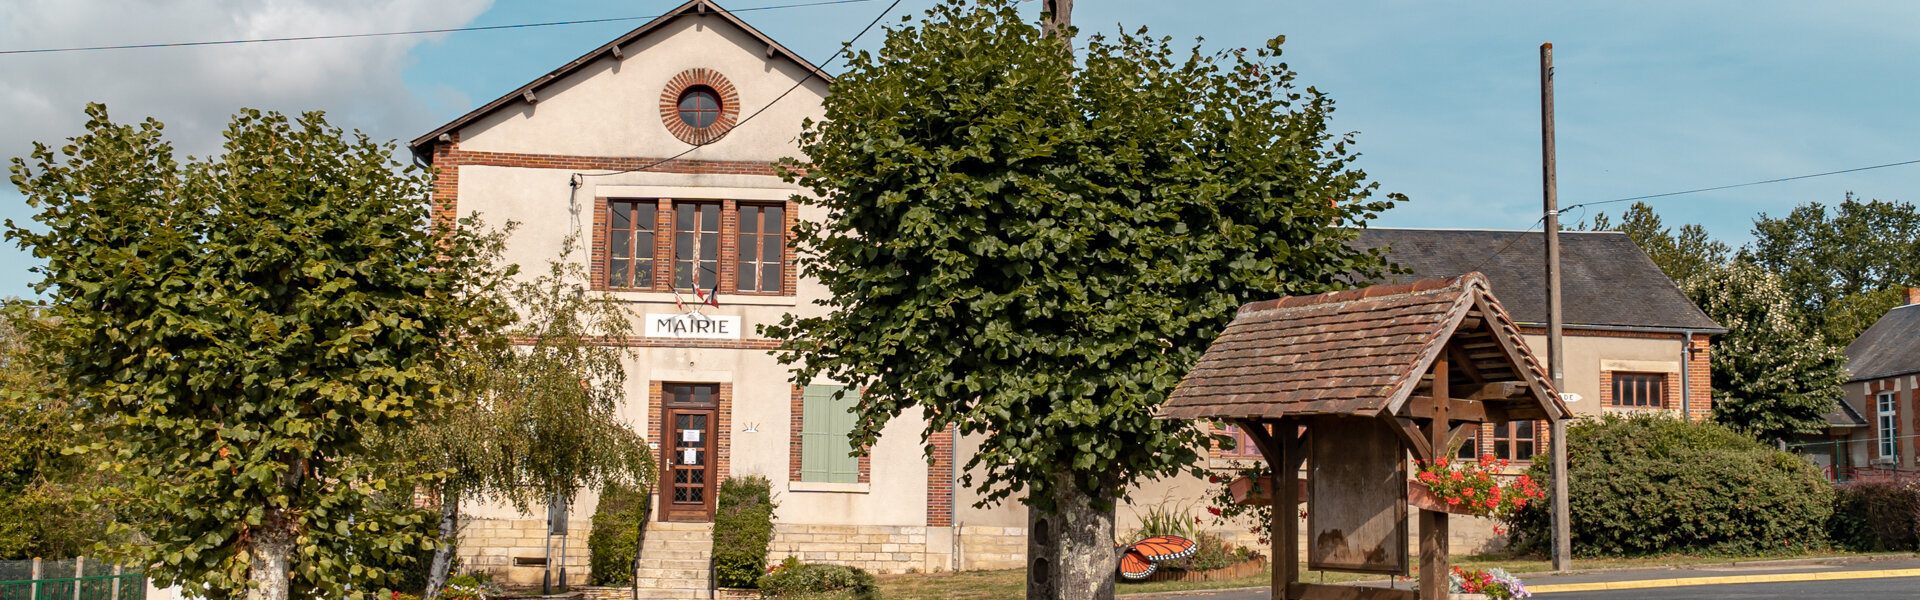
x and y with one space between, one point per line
695 574
676 553
679 536
671 526
675 563
676 594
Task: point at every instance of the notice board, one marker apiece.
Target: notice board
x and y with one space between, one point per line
1356 496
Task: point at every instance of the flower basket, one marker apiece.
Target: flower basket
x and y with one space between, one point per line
1418 496
1248 491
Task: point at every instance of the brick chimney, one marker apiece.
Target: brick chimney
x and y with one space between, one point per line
1913 295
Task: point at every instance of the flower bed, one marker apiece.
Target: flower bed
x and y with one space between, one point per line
1250 567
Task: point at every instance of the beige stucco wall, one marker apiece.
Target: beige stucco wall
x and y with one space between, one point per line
1588 356
612 107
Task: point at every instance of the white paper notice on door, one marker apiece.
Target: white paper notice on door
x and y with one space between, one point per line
690 435
690 456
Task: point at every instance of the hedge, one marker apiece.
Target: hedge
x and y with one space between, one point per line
1654 484
1874 516
742 530
820 582
616 529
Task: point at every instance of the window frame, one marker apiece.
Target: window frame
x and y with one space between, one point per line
1887 423
1243 446
666 256
760 235
1640 401
1506 440
711 114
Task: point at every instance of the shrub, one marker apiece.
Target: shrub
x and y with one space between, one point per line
820 581
616 533
1210 552
1654 484
1876 515
742 530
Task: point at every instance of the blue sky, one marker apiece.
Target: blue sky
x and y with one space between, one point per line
1652 96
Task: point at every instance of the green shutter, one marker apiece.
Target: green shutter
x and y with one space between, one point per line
825 452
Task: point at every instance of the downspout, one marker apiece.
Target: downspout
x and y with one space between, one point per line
1686 391
953 494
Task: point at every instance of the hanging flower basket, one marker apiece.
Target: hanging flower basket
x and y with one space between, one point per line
1470 488
1249 491
1420 497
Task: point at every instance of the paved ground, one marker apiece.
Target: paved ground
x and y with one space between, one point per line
1831 580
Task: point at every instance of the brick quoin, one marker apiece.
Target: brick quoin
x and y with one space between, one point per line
940 479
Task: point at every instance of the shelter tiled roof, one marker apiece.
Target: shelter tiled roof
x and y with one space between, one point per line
1362 351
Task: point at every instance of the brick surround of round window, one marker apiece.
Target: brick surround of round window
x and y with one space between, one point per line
670 105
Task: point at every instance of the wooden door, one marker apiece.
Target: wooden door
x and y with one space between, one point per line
691 474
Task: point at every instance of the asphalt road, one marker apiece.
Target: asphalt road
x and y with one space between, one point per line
1846 589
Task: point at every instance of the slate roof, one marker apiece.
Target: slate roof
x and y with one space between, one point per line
1890 347
1843 416
1605 279
1356 352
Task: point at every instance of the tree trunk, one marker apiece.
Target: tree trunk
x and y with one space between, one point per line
269 551
443 555
1070 548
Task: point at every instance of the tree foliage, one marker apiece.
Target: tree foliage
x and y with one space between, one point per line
1826 256
235 328
1773 376
541 397
1681 255
45 509
1036 251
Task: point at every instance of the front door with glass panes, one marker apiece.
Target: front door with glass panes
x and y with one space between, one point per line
689 414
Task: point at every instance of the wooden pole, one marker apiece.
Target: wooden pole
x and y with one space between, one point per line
1562 542
1058 18
1434 584
1285 527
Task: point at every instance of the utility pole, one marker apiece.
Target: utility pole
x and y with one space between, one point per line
1562 540
1058 16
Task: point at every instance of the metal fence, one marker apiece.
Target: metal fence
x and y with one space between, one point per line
69 579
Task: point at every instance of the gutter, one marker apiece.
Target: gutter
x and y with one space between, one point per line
1686 391
1641 329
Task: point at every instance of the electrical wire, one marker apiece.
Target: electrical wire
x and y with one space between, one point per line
305 38
578 178
1740 185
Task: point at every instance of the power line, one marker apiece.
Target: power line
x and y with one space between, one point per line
343 36
1739 185
1509 244
575 181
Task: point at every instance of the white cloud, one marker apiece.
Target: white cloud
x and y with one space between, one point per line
194 90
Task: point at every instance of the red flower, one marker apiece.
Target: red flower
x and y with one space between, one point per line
1427 476
1214 509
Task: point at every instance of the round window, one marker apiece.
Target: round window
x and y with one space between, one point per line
699 107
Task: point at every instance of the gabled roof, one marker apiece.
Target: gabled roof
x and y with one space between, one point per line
1605 279
1890 347
694 8
1843 416
1362 352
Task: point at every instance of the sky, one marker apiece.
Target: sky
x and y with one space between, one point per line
1651 97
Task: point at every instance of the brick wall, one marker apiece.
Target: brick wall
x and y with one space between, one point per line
1700 380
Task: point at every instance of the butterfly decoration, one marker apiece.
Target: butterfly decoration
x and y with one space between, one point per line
1142 558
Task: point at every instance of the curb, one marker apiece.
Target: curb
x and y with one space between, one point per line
1185 593
1692 581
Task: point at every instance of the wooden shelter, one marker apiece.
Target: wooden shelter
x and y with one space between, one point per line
1349 383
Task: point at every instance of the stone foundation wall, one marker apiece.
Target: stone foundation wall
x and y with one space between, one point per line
992 548
876 548
491 545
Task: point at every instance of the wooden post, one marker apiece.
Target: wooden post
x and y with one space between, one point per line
1562 543
1285 528
1434 584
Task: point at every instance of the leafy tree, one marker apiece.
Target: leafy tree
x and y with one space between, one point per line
44 505
1036 251
1772 376
1680 255
542 395
1824 257
1848 317
235 327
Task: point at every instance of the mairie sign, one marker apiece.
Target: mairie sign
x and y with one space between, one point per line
693 326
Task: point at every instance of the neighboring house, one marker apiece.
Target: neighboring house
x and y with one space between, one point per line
1882 400
1633 341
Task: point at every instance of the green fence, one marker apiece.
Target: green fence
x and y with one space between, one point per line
69 579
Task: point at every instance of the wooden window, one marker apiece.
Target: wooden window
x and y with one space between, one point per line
760 249
1513 440
1470 449
1889 426
1243 446
825 452
699 107
1639 390
696 245
630 244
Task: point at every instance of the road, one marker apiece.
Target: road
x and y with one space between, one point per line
1872 580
